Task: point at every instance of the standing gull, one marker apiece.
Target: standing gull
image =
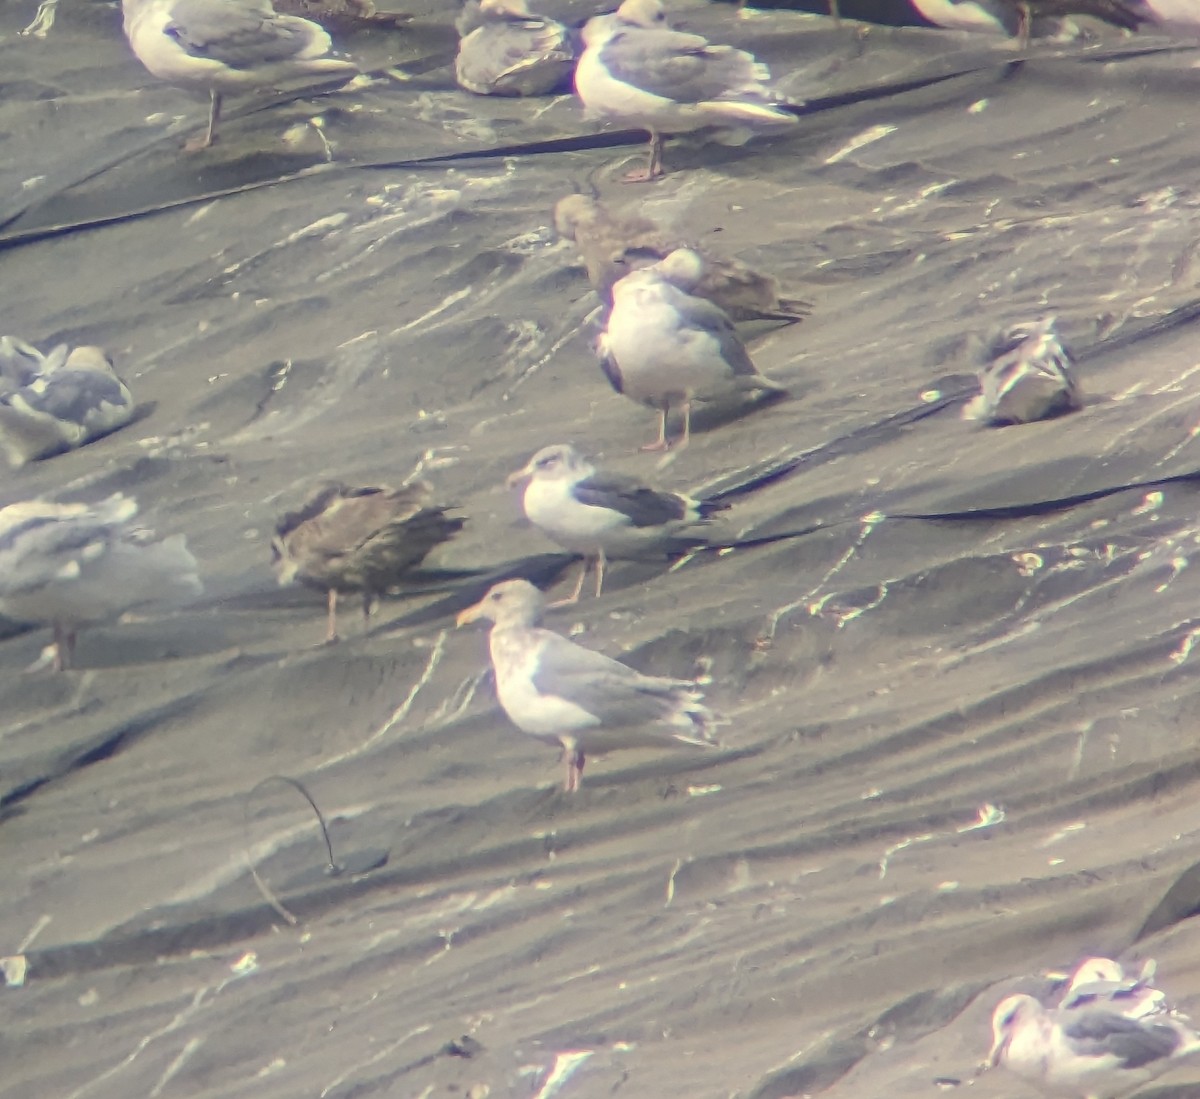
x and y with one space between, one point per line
601 515
666 348
225 47
73 565
636 70
615 245
510 51
558 691
58 403
344 539
1029 375
1089 1051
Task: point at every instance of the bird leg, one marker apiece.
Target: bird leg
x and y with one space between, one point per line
573 756
661 442
195 144
685 438
834 13
1024 24
64 647
600 562
331 634
654 168
370 603
573 598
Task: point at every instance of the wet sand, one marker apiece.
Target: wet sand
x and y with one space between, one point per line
946 618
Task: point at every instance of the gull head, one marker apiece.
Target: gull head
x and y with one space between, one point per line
512 603
514 8
648 14
683 269
560 462
1007 1017
572 211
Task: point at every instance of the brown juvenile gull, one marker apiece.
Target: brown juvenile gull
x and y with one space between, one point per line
602 515
63 402
225 47
558 691
666 348
637 71
614 245
510 51
344 539
1089 1051
74 565
1029 375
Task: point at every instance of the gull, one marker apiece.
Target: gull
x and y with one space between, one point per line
557 691
666 348
1102 981
73 565
635 70
510 51
344 539
601 515
225 47
1087 1051
615 245
1029 375
57 402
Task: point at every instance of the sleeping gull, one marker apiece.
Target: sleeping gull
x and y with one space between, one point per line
602 515
558 691
1088 1051
58 403
513 52
636 70
344 539
614 245
225 47
73 565
666 348
1102 981
1029 375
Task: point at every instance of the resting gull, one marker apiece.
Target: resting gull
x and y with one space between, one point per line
510 51
344 539
602 515
225 47
58 403
558 691
615 245
1029 375
666 348
1102 982
1088 1051
74 565
637 71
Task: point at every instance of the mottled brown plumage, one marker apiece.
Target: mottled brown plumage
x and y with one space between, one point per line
345 539
614 245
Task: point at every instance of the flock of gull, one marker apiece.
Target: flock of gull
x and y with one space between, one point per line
669 339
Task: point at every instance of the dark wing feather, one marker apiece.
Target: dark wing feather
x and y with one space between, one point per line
641 505
241 36
1099 1032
